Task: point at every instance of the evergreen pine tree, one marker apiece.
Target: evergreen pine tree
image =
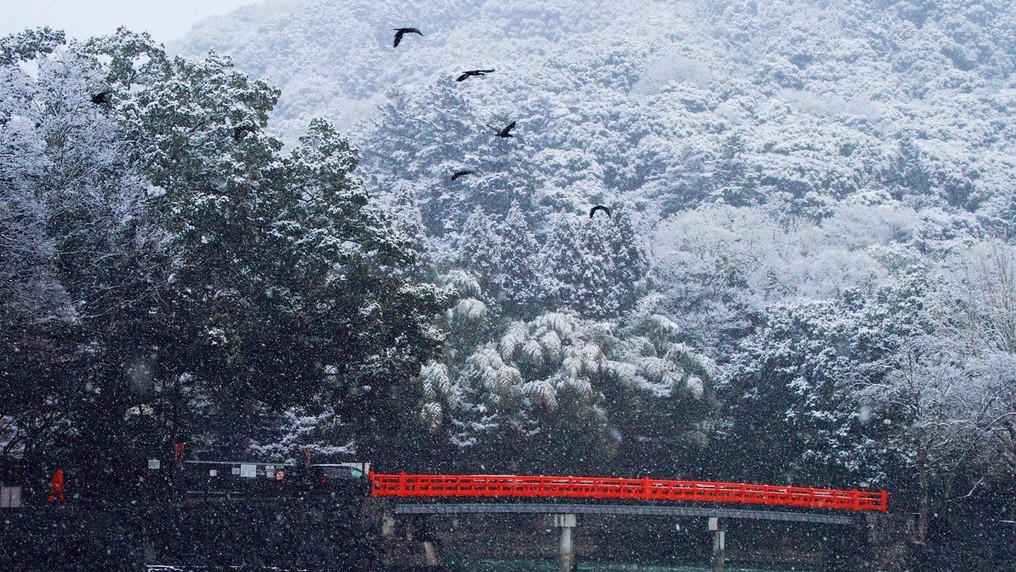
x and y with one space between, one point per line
599 290
518 259
478 249
561 258
732 182
576 268
407 219
630 260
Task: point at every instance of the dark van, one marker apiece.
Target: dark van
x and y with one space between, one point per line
341 478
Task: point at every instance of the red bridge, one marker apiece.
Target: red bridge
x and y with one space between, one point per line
644 489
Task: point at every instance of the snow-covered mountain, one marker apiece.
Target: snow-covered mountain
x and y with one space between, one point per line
677 102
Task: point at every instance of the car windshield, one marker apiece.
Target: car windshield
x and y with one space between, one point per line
342 472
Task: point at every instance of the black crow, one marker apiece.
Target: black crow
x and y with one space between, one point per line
458 174
470 73
241 131
506 132
400 31
593 210
104 98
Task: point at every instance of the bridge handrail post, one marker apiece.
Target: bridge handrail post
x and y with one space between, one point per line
645 487
402 484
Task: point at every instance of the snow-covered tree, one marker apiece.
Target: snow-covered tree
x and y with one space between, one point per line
790 396
947 419
947 386
181 255
86 255
635 398
480 243
626 248
518 260
590 268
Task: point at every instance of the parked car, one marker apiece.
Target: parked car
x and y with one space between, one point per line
341 478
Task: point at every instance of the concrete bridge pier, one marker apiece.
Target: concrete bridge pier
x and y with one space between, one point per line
719 530
418 531
431 557
416 547
566 549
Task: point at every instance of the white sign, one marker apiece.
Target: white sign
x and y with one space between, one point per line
10 497
154 464
248 471
213 473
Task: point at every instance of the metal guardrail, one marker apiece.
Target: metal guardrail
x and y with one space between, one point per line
645 489
599 509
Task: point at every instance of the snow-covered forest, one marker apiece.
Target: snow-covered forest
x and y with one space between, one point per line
807 273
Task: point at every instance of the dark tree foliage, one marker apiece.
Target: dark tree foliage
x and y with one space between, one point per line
157 262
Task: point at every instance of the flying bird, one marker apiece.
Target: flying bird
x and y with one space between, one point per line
506 132
593 210
103 98
458 174
399 32
470 73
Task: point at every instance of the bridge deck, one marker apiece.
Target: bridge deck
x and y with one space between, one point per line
601 488
600 509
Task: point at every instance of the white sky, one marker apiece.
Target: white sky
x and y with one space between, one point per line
165 20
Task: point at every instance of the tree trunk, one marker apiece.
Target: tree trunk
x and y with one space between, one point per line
925 501
32 471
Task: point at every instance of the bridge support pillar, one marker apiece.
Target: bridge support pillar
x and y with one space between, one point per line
387 526
566 549
719 530
431 557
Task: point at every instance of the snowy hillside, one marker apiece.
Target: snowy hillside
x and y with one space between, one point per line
677 102
799 186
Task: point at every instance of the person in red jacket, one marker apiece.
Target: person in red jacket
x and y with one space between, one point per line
56 486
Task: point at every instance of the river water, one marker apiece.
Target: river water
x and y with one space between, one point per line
551 566
529 566
521 565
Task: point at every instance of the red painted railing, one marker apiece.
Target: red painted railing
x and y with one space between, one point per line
431 486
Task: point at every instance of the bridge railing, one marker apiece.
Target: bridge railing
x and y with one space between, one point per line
493 486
